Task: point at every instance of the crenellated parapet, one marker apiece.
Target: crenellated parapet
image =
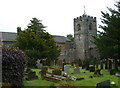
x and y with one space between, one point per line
85 18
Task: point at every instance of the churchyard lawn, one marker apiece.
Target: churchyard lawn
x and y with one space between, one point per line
87 81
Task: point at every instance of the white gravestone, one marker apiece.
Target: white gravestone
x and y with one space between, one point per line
67 69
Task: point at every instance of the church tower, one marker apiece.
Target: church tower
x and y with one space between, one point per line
84 28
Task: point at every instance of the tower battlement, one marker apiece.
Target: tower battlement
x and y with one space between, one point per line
85 17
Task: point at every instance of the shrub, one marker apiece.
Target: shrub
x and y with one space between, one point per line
13 64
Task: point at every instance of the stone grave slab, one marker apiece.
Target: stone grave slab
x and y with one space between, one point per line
103 84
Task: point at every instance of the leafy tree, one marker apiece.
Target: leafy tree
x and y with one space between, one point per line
108 41
36 42
70 36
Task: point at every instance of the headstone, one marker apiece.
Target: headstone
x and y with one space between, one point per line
92 69
76 70
30 75
117 74
43 72
67 69
39 65
83 72
73 78
76 65
54 62
83 64
112 71
38 61
103 84
90 76
97 73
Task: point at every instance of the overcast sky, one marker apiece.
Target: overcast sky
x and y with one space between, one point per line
57 15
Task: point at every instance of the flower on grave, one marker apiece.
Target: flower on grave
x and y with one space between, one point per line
113 84
65 74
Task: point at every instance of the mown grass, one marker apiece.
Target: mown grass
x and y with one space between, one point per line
85 82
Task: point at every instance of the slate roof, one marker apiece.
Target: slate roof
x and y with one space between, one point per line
61 39
10 36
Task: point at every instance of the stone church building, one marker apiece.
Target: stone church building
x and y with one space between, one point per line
85 27
81 48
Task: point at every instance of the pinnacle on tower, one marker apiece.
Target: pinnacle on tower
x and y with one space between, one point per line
84 11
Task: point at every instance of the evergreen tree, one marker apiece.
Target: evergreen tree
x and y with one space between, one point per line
36 42
108 41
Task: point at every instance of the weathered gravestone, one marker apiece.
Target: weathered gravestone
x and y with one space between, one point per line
92 69
90 76
43 72
30 75
39 65
117 74
112 71
76 70
67 69
103 84
97 73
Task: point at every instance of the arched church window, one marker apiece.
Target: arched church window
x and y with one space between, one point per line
78 27
90 26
